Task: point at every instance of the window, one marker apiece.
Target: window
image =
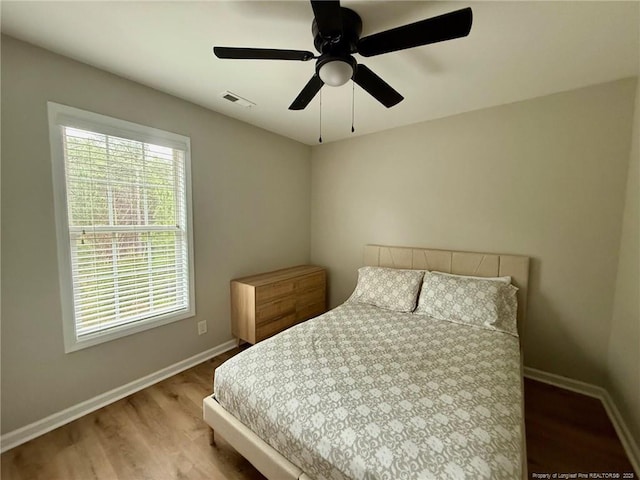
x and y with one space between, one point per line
123 218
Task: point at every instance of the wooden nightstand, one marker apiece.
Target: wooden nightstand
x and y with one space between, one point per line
265 304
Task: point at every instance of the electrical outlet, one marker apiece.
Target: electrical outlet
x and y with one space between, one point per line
202 327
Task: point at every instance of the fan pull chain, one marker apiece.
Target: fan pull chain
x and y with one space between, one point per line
320 138
353 103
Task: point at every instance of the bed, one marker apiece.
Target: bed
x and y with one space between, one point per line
383 393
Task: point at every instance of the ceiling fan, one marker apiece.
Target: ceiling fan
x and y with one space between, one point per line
336 36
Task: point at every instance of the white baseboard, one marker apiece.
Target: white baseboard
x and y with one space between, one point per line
564 382
40 427
629 444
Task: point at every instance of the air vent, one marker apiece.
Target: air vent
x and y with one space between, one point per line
237 99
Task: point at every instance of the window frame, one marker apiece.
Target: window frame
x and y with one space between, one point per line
62 115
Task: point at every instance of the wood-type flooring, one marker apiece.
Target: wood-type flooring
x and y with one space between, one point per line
158 434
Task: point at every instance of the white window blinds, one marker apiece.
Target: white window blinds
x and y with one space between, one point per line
127 229
127 219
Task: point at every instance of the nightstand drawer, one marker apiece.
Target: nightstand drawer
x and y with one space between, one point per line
271 328
311 296
309 282
310 311
274 290
275 309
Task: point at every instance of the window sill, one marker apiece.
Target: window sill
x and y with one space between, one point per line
73 344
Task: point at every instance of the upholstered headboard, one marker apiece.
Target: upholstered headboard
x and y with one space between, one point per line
461 263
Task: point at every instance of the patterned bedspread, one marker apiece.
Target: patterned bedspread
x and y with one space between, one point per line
366 393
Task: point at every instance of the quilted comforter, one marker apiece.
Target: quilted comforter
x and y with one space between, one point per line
366 393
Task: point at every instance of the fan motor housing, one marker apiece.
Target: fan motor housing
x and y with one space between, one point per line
344 44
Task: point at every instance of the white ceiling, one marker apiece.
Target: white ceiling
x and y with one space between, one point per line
515 51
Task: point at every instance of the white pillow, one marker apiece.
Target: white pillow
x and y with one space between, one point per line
506 279
470 301
389 288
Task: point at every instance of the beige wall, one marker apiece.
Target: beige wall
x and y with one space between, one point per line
624 343
250 209
544 177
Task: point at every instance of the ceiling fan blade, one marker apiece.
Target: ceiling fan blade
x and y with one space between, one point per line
261 54
432 30
328 17
376 87
309 91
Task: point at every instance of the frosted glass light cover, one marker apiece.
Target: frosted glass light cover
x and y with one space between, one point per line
335 73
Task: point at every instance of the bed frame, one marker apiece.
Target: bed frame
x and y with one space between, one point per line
275 466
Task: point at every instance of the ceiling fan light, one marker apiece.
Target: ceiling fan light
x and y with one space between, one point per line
336 72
